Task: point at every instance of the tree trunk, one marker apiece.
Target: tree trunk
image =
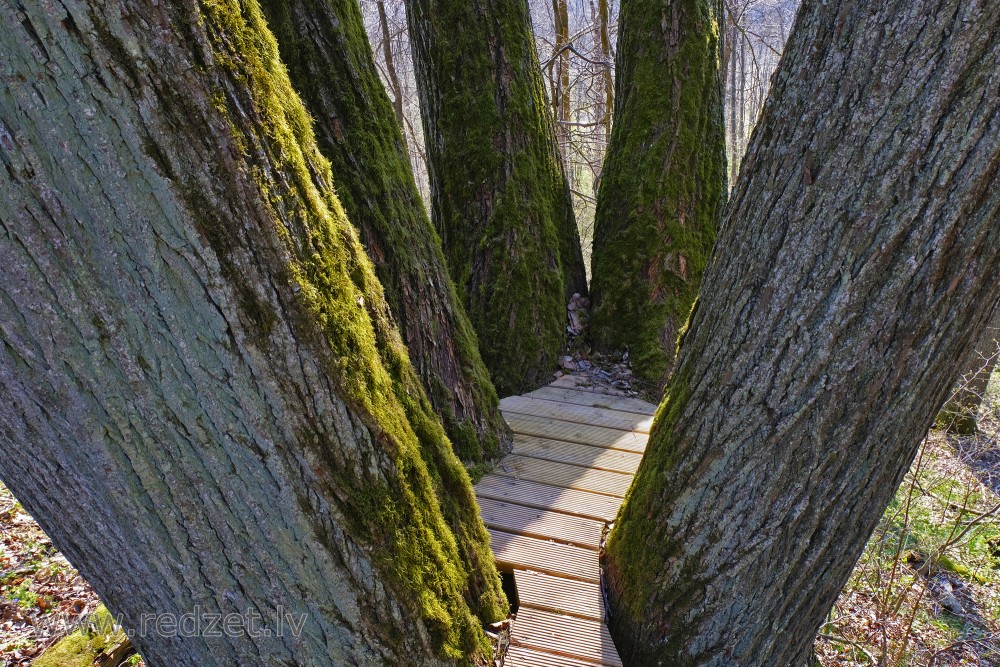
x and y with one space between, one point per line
859 254
664 182
329 60
499 196
959 415
199 371
561 85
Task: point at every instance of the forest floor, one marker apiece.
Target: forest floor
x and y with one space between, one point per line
925 593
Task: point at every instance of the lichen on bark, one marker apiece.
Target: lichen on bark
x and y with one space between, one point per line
324 45
500 200
664 181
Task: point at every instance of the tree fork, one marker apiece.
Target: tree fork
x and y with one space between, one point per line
859 255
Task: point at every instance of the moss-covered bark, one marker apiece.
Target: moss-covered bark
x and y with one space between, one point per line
663 184
500 200
214 389
324 45
847 281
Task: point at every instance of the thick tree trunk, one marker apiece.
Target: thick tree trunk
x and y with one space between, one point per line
859 254
329 60
499 196
960 414
199 371
664 181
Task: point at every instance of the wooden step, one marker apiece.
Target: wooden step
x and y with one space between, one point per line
563 474
594 399
543 524
564 635
546 496
614 460
580 414
517 552
559 595
596 436
518 656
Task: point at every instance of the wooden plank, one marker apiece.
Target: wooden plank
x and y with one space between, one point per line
559 595
596 436
565 635
563 474
580 414
517 552
546 496
519 656
594 399
541 523
582 455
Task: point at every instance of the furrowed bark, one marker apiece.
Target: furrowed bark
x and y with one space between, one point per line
859 254
499 197
199 370
664 181
324 46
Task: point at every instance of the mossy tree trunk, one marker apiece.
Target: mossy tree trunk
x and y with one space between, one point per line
324 45
499 197
960 414
664 180
199 370
858 256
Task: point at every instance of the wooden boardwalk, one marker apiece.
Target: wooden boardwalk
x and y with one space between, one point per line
546 506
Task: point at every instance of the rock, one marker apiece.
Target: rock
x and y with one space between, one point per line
567 363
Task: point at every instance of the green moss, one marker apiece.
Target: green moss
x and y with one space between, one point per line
81 648
500 200
420 519
332 68
663 183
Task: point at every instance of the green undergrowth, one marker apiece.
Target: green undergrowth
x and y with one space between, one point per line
85 645
420 516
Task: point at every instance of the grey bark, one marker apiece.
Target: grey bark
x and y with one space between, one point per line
198 370
859 254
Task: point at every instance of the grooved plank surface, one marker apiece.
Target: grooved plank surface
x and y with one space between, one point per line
541 523
519 656
518 552
564 474
558 595
540 407
594 399
614 460
546 506
546 496
564 635
596 436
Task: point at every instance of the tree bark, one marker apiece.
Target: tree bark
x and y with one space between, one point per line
960 414
329 60
499 196
859 254
664 181
199 370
